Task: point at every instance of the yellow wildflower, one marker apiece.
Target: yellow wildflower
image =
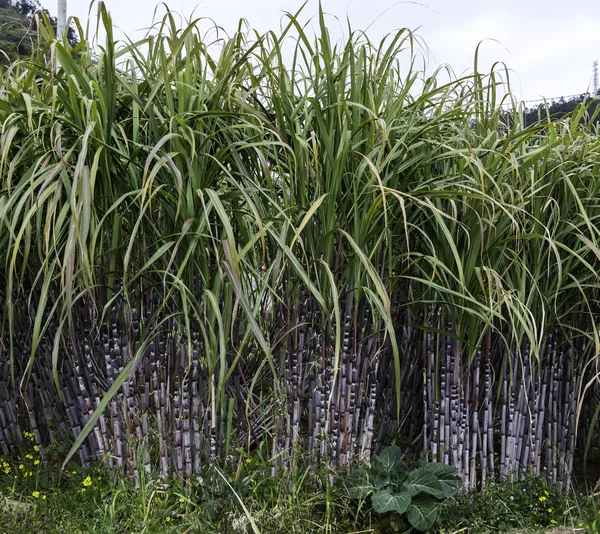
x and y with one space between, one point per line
21 466
29 457
549 510
542 498
87 481
181 499
36 462
36 448
36 494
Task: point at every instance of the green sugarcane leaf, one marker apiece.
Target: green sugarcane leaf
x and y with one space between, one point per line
385 501
307 217
422 512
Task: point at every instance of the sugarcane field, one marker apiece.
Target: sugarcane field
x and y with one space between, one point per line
284 282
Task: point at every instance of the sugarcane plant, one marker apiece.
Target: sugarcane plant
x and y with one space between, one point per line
208 248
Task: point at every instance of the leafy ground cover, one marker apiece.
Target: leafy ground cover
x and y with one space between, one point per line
39 498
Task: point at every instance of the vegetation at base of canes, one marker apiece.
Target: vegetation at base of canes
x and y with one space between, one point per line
35 498
594 521
525 504
396 490
310 500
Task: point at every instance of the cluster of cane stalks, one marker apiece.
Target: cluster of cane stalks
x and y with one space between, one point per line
212 244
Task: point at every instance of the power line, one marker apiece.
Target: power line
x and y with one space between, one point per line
549 99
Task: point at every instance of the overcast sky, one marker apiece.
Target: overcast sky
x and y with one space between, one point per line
549 45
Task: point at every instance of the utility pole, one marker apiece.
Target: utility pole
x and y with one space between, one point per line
595 77
61 22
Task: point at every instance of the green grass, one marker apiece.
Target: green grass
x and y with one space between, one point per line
37 498
77 501
106 507
43 498
529 504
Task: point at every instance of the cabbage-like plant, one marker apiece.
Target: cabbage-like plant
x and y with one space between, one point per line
394 488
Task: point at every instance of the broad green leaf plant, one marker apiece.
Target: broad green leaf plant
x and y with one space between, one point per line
393 488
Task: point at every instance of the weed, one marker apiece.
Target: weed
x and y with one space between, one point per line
530 503
394 490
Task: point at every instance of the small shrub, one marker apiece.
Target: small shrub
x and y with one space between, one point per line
394 489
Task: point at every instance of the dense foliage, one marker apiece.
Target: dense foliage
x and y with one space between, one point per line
208 251
311 500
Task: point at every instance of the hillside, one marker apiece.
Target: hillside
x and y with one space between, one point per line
14 30
17 28
560 108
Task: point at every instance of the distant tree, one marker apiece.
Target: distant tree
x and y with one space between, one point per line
17 28
558 109
29 8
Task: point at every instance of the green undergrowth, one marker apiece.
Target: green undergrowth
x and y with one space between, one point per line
37 497
49 504
527 505
245 498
